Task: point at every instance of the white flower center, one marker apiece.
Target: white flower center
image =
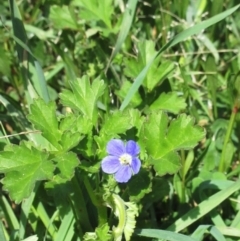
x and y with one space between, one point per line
125 159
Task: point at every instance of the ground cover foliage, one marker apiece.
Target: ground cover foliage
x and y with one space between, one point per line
80 80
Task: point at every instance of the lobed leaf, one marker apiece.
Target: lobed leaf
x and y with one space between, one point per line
169 102
181 134
66 164
22 168
95 10
70 139
159 69
84 96
116 123
62 18
44 118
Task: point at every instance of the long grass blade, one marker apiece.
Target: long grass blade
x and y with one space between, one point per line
163 235
31 69
9 214
214 231
125 27
66 230
2 236
203 208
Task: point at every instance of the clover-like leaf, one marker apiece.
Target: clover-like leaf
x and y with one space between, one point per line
22 168
44 118
170 102
84 96
181 134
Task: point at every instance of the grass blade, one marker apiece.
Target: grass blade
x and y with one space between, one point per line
30 67
9 214
66 230
2 236
214 231
25 209
125 27
163 235
203 208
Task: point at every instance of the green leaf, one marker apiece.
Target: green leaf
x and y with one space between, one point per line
202 229
70 139
22 168
139 185
31 238
181 134
170 102
153 131
95 10
160 189
212 157
116 123
169 163
157 72
103 233
66 163
75 124
44 118
84 96
62 18
163 235
5 62
2 229
136 99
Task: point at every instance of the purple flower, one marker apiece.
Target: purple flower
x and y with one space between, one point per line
122 160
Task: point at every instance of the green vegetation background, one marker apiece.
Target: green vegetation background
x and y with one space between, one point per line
47 44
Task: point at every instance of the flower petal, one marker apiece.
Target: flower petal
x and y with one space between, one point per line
136 164
115 147
110 164
123 174
132 148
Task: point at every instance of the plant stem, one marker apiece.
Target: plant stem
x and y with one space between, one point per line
183 157
222 166
102 210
